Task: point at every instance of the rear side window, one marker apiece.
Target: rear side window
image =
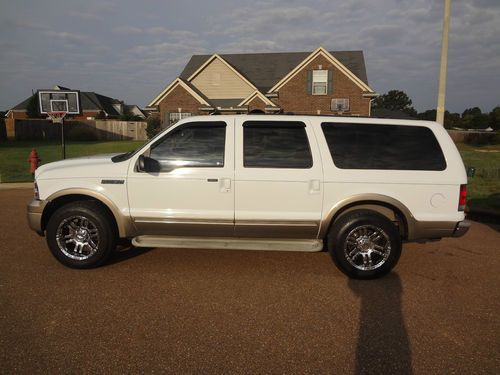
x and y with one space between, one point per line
276 144
394 147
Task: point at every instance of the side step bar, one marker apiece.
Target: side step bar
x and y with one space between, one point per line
229 243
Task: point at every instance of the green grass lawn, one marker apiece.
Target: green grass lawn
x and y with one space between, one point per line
484 187
14 166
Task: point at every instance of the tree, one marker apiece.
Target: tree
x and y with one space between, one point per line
471 112
495 118
429 115
32 107
153 126
451 120
127 115
395 100
473 118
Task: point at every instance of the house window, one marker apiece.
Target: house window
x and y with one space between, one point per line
176 116
340 105
319 82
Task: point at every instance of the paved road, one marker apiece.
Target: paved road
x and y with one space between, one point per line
211 311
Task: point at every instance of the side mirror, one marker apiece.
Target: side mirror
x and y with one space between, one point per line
147 164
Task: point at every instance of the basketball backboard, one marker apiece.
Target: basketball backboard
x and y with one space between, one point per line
59 101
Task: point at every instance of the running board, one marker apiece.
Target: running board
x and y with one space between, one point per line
229 243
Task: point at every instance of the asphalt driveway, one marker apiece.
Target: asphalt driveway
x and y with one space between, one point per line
215 311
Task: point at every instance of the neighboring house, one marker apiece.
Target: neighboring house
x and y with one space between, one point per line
320 82
93 105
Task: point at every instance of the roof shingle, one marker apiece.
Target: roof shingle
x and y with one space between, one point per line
264 70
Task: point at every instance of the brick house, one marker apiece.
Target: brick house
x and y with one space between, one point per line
320 82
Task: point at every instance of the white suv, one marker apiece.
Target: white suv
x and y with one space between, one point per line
360 186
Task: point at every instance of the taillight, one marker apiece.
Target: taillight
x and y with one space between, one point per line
36 193
462 198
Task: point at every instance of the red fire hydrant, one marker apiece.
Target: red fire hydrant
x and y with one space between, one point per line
34 161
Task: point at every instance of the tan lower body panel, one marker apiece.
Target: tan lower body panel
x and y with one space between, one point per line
227 228
304 245
276 229
423 230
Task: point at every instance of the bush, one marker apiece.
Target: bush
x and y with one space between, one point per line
81 134
153 127
481 139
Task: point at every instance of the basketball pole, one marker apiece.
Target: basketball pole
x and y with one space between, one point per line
63 143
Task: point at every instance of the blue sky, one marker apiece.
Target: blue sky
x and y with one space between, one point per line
131 50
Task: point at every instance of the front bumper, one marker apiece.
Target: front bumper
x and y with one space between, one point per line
461 228
35 211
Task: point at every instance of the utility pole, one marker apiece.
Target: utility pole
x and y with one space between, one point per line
444 63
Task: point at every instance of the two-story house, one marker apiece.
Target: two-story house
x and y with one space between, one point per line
320 82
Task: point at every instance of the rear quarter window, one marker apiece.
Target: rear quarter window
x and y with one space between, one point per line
389 147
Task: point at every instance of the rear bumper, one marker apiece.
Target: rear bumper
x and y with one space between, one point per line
461 228
431 230
35 211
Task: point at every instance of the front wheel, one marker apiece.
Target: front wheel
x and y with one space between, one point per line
364 244
81 234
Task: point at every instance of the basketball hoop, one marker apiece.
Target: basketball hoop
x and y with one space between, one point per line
57 117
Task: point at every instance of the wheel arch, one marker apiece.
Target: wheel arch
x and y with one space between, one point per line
389 207
122 223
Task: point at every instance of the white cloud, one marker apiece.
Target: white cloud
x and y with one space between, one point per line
127 30
70 39
136 48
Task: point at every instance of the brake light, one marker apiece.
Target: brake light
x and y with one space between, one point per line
462 199
36 193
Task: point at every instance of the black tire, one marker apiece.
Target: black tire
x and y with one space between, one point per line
98 230
361 235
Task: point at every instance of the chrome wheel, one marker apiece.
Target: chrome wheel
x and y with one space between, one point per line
367 247
78 237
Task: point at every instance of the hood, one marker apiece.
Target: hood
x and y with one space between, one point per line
87 166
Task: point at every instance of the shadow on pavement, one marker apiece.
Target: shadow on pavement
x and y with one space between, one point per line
383 346
126 251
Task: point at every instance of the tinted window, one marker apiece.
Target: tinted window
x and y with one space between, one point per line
196 144
276 144
360 146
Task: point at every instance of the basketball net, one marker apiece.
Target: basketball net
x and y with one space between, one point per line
57 117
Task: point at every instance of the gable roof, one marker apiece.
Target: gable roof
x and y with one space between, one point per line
214 57
186 86
322 52
257 94
264 70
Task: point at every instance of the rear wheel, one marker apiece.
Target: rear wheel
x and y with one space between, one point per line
81 234
364 244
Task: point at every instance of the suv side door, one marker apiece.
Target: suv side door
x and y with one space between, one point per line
193 192
278 179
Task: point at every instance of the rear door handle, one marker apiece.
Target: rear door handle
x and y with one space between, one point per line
225 185
314 186
212 179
